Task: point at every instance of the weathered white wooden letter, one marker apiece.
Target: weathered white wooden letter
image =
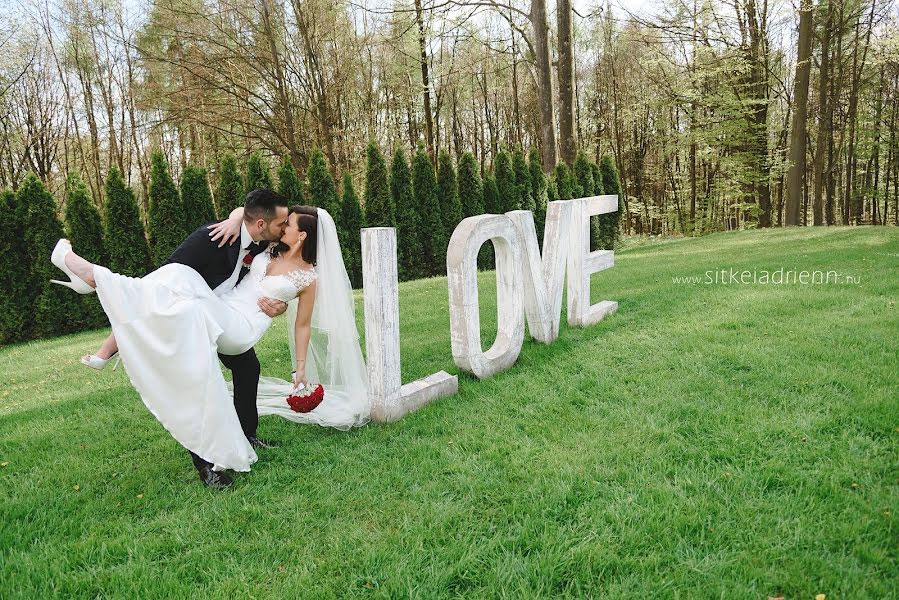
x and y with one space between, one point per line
465 318
390 400
582 263
544 277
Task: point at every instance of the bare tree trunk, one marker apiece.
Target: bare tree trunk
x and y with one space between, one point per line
875 149
425 84
544 84
851 208
796 174
825 120
565 70
288 135
516 110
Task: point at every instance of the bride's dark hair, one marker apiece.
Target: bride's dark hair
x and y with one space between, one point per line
307 220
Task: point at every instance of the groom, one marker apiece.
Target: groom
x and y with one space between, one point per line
265 217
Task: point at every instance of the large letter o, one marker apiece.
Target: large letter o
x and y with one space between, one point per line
465 317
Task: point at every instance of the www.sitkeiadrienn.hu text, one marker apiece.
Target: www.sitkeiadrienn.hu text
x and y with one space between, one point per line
780 276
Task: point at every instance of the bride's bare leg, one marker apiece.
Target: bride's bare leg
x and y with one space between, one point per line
107 349
82 268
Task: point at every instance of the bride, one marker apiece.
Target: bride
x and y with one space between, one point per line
169 327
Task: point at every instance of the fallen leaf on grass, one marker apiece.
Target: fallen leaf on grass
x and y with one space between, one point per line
775 598
855 486
821 597
76 487
5 463
140 495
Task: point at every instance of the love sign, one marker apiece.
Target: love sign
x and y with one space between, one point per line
529 288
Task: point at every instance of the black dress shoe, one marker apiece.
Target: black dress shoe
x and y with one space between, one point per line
257 443
214 479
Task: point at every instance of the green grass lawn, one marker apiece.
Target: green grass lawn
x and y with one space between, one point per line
727 441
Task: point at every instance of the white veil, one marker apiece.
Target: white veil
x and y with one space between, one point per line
334 358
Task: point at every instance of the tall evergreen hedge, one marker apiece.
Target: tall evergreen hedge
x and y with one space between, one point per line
379 207
258 174
352 236
322 191
505 183
471 189
56 309
125 242
609 224
407 219
230 191
448 194
539 192
289 184
197 198
431 228
85 231
583 174
15 276
565 185
167 222
524 195
491 207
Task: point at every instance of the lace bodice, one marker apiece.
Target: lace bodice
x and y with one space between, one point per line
285 286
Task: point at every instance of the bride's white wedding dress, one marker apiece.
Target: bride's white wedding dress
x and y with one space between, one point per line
170 327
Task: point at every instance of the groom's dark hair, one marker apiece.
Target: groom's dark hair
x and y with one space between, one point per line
262 204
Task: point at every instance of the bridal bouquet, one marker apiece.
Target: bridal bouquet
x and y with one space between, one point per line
306 398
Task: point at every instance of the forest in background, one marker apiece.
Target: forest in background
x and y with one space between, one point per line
719 114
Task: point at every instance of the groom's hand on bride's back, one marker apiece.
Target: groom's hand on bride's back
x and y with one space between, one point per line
272 307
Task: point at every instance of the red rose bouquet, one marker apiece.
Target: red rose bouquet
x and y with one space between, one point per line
303 400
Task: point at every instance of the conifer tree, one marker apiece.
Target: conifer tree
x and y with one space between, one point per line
448 194
597 179
431 228
525 198
407 231
258 175
609 223
289 184
538 192
230 192
505 183
584 175
125 242
56 309
352 237
197 199
564 184
85 231
167 222
491 205
15 279
379 207
322 191
471 189
491 196
83 223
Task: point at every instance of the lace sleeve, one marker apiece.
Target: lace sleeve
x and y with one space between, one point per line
302 278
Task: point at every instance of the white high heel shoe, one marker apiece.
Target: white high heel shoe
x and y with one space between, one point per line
95 362
58 258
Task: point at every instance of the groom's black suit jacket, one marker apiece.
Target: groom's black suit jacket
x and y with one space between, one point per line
215 265
204 256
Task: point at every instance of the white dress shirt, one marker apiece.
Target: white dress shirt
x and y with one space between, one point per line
245 241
